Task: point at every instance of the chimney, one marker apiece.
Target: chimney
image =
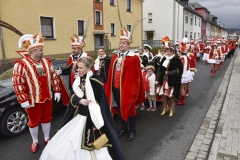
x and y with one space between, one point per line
193 6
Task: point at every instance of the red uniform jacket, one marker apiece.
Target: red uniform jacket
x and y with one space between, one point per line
32 80
131 84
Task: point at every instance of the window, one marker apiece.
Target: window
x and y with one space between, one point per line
113 29
129 28
186 34
129 5
149 17
199 22
47 27
80 27
195 21
186 18
98 0
191 20
190 35
98 17
198 35
194 35
112 2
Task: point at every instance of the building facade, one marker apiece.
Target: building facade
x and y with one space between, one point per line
59 22
163 18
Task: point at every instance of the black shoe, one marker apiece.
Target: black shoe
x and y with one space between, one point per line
131 136
122 132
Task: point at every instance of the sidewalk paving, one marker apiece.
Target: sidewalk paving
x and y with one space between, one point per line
218 137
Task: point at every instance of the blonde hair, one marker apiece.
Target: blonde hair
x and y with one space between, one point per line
102 47
163 48
141 48
87 61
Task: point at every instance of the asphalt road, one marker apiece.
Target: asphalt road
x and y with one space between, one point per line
157 137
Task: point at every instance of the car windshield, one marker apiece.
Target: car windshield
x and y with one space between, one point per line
6 77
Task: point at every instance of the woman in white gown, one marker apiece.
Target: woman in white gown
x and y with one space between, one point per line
88 118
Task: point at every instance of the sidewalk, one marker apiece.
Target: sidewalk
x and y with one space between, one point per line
218 137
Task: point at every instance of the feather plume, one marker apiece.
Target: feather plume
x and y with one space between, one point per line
25 36
136 23
119 15
86 29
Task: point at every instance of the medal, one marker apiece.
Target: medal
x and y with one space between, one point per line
119 63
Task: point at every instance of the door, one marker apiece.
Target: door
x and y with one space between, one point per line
149 35
98 41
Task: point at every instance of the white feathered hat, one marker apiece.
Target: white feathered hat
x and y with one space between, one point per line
30 42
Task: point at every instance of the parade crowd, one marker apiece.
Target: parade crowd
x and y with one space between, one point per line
96 90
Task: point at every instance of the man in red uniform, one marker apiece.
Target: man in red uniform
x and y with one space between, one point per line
125 84
33 77
69 73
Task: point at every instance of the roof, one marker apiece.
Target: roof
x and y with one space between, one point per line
197 5
190 9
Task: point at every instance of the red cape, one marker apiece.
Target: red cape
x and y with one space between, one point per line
131 85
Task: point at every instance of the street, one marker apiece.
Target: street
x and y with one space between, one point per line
157 137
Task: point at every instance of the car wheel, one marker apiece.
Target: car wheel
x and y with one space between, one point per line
14 122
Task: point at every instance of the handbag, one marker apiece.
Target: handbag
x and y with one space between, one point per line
100 141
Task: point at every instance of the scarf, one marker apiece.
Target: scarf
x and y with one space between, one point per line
166 62
94 108
97 62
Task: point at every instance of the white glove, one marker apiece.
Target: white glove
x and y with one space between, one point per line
57 97
26 105
59 71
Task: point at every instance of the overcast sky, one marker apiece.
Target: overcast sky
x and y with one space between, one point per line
227 11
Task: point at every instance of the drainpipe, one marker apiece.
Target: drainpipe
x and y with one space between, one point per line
174 21
2 44
183 33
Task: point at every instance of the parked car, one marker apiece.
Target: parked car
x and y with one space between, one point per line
13 118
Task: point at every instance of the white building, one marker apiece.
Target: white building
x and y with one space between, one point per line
172 18
192 23
163 18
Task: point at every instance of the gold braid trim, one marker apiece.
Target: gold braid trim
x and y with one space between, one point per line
75 106
96 80
177 72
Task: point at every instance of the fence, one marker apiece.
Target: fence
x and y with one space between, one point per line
155 43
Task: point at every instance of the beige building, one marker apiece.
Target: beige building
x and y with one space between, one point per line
59 20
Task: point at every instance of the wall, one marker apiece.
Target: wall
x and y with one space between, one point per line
25 16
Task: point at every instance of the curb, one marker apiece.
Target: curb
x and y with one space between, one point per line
203 141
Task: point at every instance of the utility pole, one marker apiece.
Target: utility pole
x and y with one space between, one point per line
2 43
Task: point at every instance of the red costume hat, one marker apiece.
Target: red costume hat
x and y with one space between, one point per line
78 41
165 41
184 48
126 35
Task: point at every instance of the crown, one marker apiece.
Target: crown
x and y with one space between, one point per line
30 42
126 35
78 41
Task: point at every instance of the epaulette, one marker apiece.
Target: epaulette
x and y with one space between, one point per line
107 57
